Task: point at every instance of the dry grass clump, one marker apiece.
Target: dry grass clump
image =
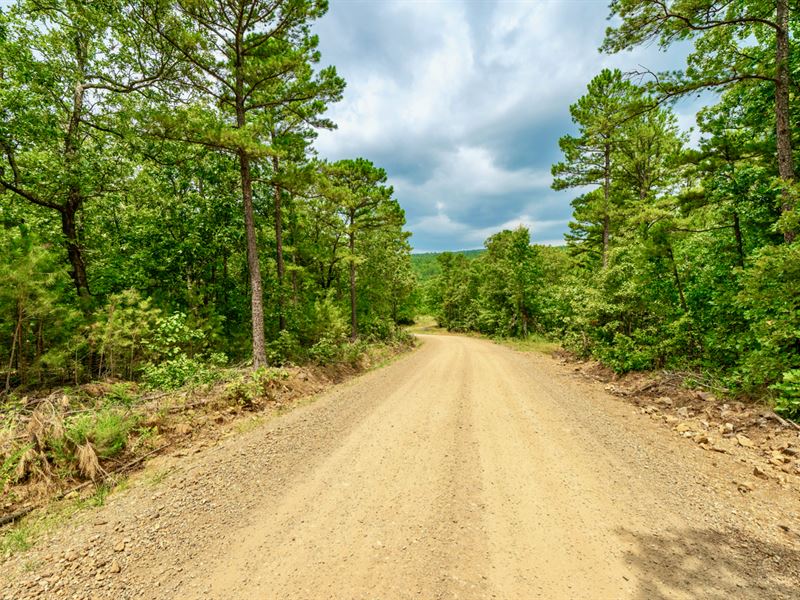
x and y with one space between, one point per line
54 443
88 463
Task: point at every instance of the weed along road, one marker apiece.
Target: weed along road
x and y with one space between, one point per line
462 470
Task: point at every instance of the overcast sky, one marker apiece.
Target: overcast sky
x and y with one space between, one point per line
463 102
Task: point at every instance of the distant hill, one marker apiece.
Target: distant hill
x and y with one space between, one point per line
426 267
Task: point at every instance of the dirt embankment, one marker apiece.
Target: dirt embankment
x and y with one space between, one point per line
464 469
753 434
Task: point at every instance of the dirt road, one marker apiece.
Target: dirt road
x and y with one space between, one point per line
464 470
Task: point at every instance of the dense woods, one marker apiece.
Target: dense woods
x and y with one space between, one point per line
164 211
679 256
162 207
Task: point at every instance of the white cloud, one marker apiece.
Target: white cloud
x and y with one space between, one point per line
463 104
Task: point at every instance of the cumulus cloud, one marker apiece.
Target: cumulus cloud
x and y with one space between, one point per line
463 104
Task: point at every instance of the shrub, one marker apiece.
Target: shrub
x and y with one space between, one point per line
284 349
107 431
250 388
177 372
770 299
122 331
326 350
173 336
788 400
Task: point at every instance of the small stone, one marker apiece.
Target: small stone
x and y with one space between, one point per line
119 546
665 400
744 486
683 412
759 472
683 427
745 441
183 429
115 568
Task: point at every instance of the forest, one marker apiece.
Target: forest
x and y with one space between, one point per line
679 256
163 211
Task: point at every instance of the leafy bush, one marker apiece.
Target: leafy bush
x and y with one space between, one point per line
173 336
377 329
326 350
177 372
284 349
352 352
770 299
250 388
788 401
107 430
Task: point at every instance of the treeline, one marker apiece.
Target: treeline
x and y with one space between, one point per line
678 256
161 204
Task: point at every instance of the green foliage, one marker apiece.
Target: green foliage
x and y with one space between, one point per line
248 389
123 254
122 332
10 465
172 336
177 372
770 302
326 350
107 430
120 394
788 400
284 349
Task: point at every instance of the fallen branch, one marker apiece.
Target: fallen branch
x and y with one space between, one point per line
10 518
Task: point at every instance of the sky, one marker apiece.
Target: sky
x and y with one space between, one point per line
463 103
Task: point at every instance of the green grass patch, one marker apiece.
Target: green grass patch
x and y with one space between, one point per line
23 534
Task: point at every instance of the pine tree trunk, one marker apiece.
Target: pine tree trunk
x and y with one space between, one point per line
279 245
256 297
783 131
